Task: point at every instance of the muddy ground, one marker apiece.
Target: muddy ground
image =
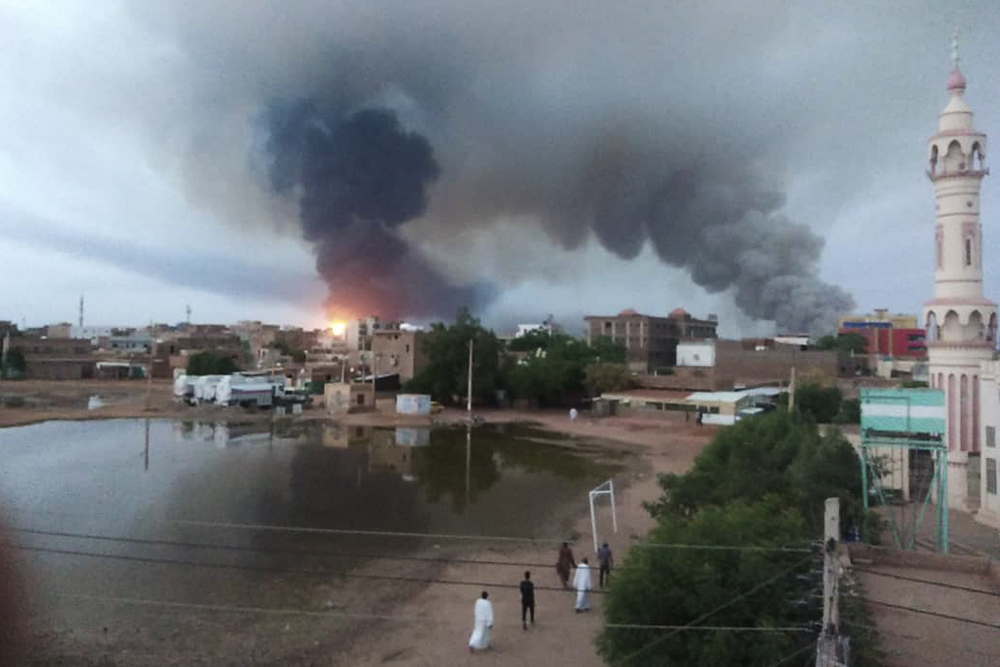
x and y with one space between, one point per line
307 620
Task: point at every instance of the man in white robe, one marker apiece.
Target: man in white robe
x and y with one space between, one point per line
480 638
583 584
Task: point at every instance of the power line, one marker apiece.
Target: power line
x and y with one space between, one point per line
446 536
348 554
280 570
716 610
395 617
275 550
932 613
957 587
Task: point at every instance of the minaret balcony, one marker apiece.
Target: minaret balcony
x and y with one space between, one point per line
935 176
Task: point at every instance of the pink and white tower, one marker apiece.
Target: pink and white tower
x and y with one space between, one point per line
961 323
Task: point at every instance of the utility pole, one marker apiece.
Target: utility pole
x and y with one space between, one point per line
826 650
791 390
149 372
468 406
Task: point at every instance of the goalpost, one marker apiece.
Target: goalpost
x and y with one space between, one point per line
606 489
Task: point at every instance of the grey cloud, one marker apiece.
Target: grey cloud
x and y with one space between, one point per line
211 272
677 125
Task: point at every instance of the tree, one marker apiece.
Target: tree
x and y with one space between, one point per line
673 587
850 412
555 369
446 374
849 342
821 403
15 364
602 377
210 363
760 483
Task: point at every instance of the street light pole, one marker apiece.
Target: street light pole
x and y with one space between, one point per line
468 406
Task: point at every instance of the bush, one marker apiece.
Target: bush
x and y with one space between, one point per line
821 403
210 363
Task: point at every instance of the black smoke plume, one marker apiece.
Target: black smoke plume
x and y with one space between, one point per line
356 178
670 126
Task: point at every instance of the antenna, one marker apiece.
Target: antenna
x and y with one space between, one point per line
81 311
188 310
954 48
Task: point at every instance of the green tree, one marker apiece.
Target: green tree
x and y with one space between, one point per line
15 364
821 403
445 376
674 587
555 369
210 363
759 483
849 342
602 377
850 412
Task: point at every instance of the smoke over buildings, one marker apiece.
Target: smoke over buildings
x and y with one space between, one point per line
439 120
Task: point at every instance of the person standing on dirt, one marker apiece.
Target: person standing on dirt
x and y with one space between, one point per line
527 600
483 624
604 560
565 562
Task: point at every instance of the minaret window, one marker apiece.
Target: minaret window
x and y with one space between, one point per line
968 252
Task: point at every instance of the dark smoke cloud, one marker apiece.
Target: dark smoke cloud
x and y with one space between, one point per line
357 177
635 127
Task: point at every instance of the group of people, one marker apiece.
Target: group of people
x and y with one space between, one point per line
582 582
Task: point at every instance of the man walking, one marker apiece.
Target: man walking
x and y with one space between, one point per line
583 584
527 600
564 563
483 614
604 560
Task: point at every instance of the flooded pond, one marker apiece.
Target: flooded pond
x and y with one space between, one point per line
204 511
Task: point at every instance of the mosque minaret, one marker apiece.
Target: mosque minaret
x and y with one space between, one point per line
961 322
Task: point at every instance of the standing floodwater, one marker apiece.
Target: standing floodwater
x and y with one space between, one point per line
209 513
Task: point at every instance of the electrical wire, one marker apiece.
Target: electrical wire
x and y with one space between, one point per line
716 610
393 617
281 570
957 587
446 536
936 614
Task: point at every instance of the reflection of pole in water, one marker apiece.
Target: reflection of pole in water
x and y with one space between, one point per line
146 464
468 457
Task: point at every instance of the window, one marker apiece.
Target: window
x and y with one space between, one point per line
361 399
991 436
407 348
991 476
968 252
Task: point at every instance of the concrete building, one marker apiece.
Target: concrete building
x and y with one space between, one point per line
650 342
887 335
399 351
54 358
960 321
359 333
341 398
696 353
989 411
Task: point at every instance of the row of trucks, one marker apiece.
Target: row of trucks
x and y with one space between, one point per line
236 389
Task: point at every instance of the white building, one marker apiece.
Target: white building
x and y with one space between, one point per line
696 353
989 410
960 321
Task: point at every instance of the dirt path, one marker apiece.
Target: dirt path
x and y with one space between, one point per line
441 616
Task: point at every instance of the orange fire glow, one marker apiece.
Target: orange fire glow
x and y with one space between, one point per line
338 328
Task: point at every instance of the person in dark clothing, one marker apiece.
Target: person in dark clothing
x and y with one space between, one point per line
565 562
527 600
605 560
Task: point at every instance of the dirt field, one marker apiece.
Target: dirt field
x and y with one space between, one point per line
355 622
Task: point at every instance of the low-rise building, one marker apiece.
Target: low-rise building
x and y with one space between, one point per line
888 335
399 351
989 455
53 358
696 353
341 398
650 342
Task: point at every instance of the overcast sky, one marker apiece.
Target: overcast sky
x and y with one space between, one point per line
127 165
